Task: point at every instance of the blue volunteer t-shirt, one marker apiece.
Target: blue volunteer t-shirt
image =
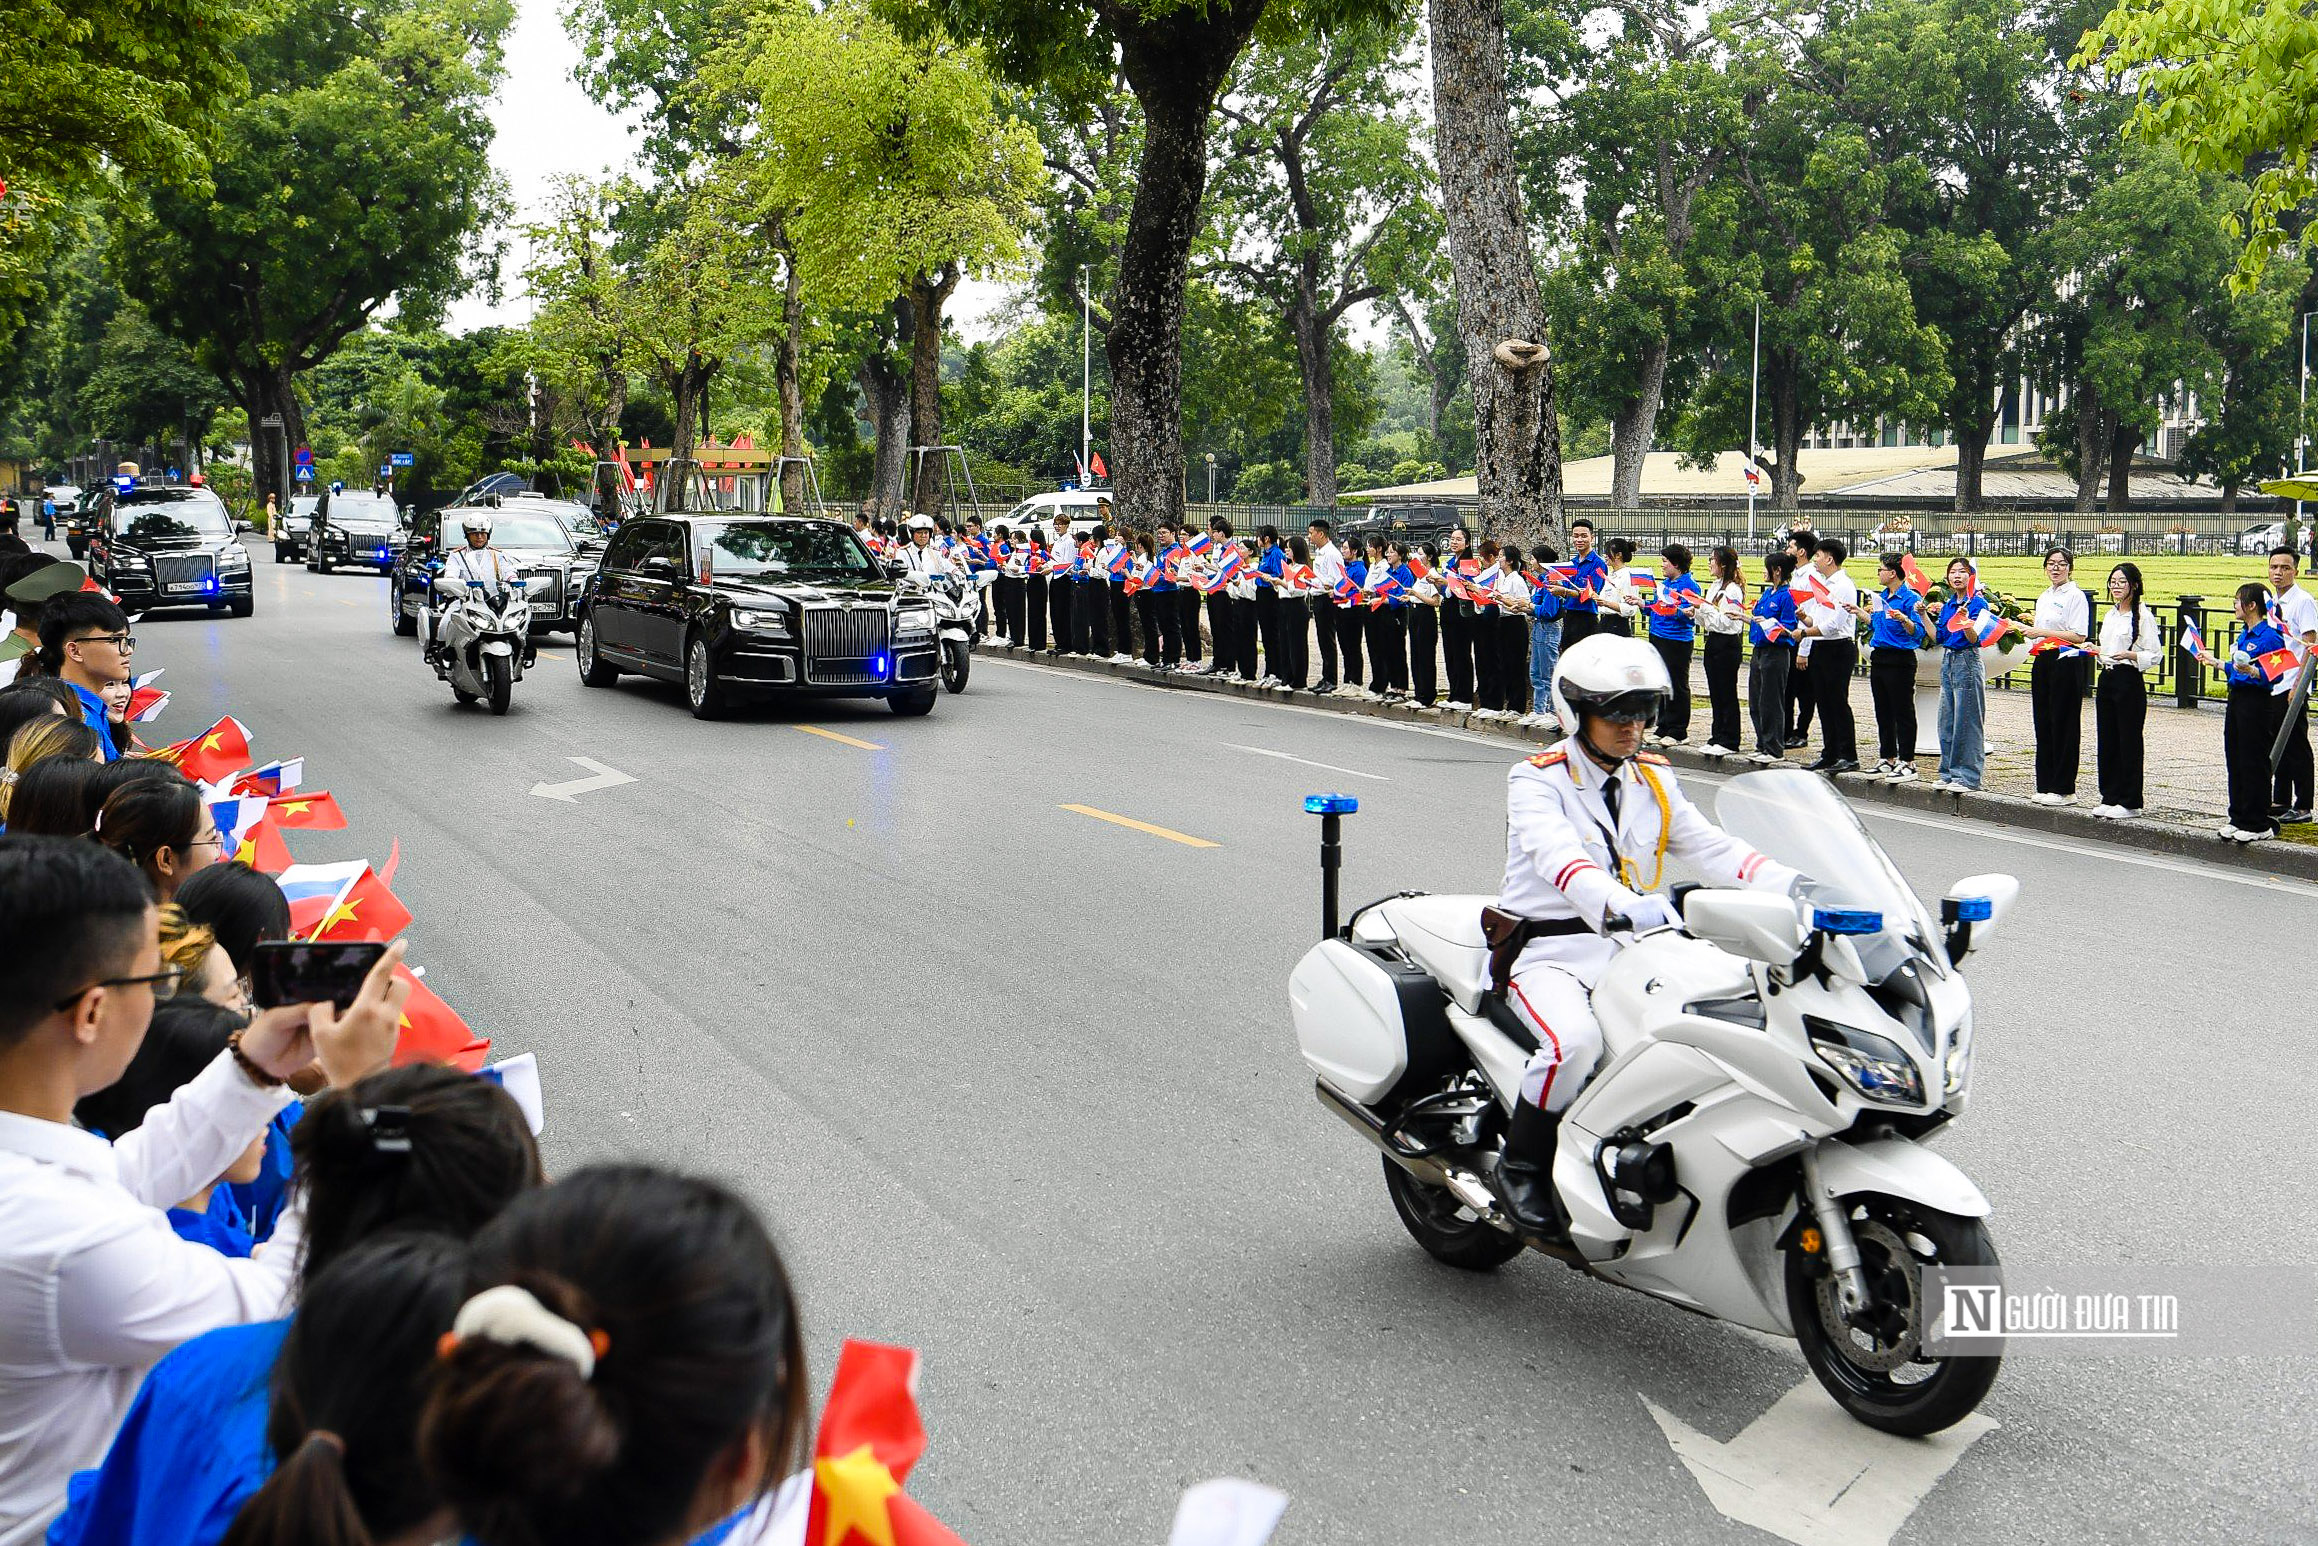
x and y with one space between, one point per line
1894 628
1953 617
1593 571
1775 605
1676 627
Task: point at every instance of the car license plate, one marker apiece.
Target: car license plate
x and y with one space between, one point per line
178 585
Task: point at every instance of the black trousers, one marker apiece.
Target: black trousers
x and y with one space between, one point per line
1267 606
1767 678
1511 638
1245 659
1424 644
1576 625
1488 693
1187 605
1724 652
2120 715
1832 661
1457 649
1611 622
2247 730
1324 624
1012 597
1891 683
1800 698
1148 615
1122 625
1388 649
1167 606
1295 666
1347 622
2056 707
1058 600
2290 790
1222 631
1674 718
1036 607
1090 618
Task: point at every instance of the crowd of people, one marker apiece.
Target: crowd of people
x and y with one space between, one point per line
1464 625
293 1273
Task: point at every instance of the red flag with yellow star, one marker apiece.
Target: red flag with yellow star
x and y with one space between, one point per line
432 1031
215 755
316 812
870 1437
367 911
262 849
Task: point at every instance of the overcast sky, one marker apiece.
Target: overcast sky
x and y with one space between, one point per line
549 127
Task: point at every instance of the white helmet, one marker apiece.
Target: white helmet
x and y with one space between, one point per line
921 523
1612 676
476 521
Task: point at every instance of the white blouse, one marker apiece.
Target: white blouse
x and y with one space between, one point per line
2066 609
1714 617
2120 647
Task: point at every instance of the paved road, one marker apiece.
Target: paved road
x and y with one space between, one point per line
1017 1087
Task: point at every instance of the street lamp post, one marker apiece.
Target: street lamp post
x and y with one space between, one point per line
1211 477
2302 420
1754 399
1086 374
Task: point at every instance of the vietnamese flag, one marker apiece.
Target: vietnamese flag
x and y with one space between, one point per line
2276 665
1917 581
870 1437
1096 466
432 1031
367 910
262 849
215 755
316 812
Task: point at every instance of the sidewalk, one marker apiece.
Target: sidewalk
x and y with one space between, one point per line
2184 767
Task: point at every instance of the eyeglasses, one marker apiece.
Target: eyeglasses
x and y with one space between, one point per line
124 642
163 983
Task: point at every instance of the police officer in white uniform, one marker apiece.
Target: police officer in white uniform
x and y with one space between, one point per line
1590 824
921 557
477 566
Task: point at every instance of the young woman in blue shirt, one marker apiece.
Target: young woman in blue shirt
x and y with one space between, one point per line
1963 687
1673 634
1895 631
1772 633
2250 725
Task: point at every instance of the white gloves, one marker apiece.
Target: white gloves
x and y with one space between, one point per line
1652 912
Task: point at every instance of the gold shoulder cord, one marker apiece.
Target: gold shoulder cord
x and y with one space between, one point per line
1626 871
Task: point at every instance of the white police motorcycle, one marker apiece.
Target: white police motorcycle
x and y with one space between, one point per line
1752 1146
480 639
957 598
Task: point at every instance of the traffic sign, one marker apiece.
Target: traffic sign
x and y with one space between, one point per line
401 458
386 469
306 474
303 456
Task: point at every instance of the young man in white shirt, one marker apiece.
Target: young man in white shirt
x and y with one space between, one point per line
94 1284
1829 624
2298 621
1327 569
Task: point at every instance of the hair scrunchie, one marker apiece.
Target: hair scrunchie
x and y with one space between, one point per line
512 1315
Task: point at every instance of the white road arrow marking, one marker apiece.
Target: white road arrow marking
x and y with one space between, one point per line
569 791
1807 1473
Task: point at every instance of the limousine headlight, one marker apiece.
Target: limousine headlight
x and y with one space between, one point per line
913 625
775 622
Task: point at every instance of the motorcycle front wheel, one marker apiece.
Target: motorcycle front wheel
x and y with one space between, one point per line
499 676
957 661
1876 1370
1447 1229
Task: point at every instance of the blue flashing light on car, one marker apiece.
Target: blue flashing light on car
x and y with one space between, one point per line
1847 920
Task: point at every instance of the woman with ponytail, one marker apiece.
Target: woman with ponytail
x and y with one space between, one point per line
420 1149
161 826
628 1370
346 1397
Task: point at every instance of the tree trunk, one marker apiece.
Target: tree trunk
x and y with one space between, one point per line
1783 376
1972 459
886 395
1175 62
2229 499
1313 354
788 380
927 293
2123 440
262 393
1500 316
689 387
2092 448
1633 429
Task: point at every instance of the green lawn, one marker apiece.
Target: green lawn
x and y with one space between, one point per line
2164 579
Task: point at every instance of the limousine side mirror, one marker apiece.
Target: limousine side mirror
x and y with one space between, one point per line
240 526
658 565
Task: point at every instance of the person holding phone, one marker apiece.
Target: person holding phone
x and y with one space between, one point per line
94 1284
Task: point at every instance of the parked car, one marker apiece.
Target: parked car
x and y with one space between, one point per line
290 531
733 604
81 521
549 557
1039 510
353 529
171 546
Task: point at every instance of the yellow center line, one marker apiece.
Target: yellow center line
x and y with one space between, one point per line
1168 833
831 735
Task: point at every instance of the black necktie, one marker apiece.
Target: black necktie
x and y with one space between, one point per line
1611 794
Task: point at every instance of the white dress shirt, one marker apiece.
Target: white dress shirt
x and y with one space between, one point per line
2065 608
929 560
2120 647
1327 569
487 568
94 1284
2301 619
1828 619
1714 617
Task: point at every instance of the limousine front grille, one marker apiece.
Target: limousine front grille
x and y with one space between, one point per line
845 648
183 571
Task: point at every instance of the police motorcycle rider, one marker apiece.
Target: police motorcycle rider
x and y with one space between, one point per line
477 566
920 556
1590 824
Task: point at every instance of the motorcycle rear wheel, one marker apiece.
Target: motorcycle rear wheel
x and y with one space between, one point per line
499 675
1445 1227
1881 1377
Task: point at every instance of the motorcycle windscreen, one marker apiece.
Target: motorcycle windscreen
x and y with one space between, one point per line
1799 820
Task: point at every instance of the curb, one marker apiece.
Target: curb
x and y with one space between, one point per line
2284 861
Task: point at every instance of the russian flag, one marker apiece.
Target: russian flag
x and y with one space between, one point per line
1199 542
1122 562
1345 590
1383 591
235 816
1988 627
315 890
2193 639
275 778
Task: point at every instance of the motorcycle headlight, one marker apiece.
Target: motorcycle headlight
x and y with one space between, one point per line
1957 1066
1874 1065
775 621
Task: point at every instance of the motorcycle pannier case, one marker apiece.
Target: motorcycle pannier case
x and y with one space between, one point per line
1370 1024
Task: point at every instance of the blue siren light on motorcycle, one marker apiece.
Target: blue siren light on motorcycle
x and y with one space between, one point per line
1330 804
1975 909
1846 920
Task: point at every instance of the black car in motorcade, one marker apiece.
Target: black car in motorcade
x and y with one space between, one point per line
290 530
744 604
171 545
353 529
529 533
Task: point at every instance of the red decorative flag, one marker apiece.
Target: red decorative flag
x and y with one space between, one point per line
367 911
2278 664
1097 466
870 1438
432 1031
262 849
316 812
215 755
1916 578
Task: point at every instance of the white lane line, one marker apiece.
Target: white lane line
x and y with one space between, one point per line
1261 751
1806 1472
601 777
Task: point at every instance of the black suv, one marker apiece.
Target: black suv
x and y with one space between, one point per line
354 529
171 546
728 604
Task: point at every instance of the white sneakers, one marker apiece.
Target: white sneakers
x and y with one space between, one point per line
1902 773
1717 749
2047 797
2117 812
2240 835
1454 707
